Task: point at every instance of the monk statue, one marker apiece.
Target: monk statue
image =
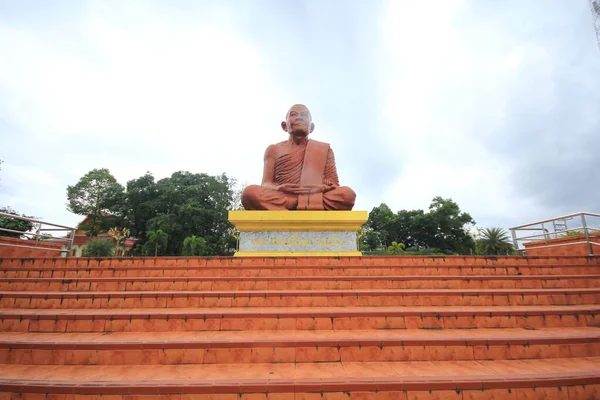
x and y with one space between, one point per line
299 173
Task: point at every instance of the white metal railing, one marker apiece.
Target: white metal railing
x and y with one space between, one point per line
40 238
558 227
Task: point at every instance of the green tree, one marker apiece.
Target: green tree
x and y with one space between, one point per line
371 241
157 239
99 248
181 205
405 229
396 249
193 246
377 229
444 227
194 204
441 229
494 241
140 203
96 195
14 224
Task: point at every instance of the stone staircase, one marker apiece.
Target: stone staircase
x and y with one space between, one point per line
300 328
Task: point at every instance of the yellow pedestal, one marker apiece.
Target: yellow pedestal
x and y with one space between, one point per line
292 233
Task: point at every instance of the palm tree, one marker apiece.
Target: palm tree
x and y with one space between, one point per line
396 249
157 238
193 246
493 241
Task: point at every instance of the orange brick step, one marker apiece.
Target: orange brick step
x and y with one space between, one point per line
306 298
295 261
300 318
143 283
286 271
413 379
330 328
296 347
576 391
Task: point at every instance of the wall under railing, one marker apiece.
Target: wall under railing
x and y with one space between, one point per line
38 242
573 234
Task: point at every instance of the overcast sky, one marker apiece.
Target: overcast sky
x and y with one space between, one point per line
495 104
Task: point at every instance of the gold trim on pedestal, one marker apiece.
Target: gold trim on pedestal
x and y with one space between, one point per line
298 221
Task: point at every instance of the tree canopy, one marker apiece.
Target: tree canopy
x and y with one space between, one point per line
140 203
441 229
97 194
183 205
189 204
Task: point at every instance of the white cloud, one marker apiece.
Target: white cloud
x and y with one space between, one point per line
449 98
156 95
452 82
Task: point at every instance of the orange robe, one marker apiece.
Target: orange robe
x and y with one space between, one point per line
313 164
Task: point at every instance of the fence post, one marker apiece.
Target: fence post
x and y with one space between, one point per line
71 239
587 234
515 243
37 237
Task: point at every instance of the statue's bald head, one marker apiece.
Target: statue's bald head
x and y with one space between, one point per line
297 107
298 121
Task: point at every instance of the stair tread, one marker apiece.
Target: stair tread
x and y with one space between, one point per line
294 266
235 374
305 310
241 293
460 336
303 278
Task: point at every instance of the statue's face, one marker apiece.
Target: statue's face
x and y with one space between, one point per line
298 121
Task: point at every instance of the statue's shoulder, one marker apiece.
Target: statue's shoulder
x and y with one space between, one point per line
318 143
277 146
273 149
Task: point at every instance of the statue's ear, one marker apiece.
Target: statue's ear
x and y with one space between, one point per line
312 127
284 125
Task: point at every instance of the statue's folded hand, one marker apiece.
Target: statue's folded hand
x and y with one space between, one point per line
292 188
329 185
319 188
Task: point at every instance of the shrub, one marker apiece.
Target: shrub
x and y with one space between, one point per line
574 233
99 248
428 251
376 252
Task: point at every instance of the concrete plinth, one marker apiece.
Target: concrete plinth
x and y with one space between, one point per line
298 233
